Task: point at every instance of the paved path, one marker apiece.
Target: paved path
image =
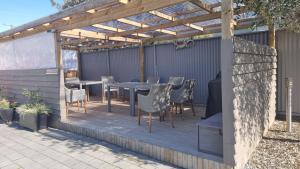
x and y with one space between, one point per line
55 149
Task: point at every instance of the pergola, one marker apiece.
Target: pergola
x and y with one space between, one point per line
116 23
102 24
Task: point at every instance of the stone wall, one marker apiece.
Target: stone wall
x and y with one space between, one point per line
254 95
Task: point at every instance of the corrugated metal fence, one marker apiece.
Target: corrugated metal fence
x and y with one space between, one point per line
200 62
288 46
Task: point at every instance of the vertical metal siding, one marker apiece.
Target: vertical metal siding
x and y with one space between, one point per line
257 37
288 47
125 64
93 66
200 62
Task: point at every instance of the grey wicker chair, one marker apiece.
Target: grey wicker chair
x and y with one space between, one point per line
75 96
150 80
153 79
176 82
183 95
107 80
70 80
157 101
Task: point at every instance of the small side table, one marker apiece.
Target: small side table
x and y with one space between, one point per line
211 130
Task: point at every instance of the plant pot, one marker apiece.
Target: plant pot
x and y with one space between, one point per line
7 115
43 121
29 120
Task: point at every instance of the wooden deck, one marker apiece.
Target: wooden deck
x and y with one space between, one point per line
120 128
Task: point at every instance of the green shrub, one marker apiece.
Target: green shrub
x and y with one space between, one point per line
34 109
34 103
4 104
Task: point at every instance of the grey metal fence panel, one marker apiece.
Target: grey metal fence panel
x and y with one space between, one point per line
288 48
93 66
125 64
257 37
200 62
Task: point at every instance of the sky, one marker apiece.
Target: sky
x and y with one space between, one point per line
18 12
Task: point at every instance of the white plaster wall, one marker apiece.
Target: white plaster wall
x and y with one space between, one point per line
31 52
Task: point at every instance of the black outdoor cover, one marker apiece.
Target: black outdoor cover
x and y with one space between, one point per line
214 100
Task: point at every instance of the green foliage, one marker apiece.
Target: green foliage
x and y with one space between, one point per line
66 3
34 103
34 109
4 104
33 96
284 14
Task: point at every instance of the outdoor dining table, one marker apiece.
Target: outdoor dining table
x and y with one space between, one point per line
88 83
132 86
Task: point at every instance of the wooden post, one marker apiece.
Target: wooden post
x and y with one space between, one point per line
227 83
59 65
142 62
272 36
227 19
78 63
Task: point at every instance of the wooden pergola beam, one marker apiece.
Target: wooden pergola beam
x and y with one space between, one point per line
208 30
141 25
119 30
133 8
171 18
201 18
78 9
202 5
96 35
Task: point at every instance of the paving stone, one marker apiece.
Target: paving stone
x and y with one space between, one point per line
55 149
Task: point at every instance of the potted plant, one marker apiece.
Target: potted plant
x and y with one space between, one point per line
7 110
33 114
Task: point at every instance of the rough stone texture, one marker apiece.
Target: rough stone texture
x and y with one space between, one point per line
254 92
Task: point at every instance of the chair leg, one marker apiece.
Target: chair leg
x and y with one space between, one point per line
67 109
139 116
150 122
193 109
181 108
171 118
181 111
78 105
160 117
84 104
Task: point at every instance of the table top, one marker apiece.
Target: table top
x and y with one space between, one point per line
135 85
214 122
85 82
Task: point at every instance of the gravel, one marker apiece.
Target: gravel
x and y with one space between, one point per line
278 149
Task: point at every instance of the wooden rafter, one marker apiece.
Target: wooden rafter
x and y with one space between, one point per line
165 16
133 8
171 18
141 25
90 34
119 30
107 10
201 18
202 5
208 30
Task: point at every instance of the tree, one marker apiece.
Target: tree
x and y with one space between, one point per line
66 3
283 14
